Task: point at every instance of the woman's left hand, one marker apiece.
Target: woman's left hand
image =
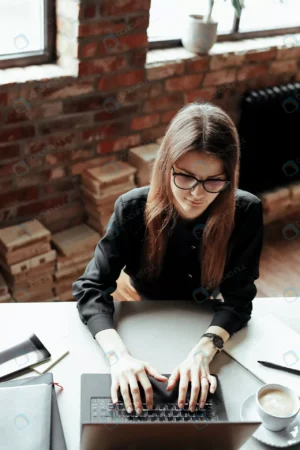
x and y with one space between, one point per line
194 368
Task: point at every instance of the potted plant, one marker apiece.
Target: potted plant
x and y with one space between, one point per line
200 33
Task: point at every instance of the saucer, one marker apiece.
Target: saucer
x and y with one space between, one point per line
284 438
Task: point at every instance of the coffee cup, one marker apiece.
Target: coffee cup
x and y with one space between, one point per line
277 406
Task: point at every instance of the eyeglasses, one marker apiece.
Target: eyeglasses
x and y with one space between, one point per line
187 182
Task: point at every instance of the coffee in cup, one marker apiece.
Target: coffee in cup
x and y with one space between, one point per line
277 406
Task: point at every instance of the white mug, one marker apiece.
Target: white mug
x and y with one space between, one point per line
273 422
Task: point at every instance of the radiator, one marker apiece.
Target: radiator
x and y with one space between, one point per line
269 130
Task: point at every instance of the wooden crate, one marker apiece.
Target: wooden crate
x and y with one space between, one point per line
109 175
75 240
64 262
3 286
23 241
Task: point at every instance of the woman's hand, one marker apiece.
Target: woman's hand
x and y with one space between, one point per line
128 371
194 368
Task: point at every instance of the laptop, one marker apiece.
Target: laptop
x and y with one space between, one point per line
105 426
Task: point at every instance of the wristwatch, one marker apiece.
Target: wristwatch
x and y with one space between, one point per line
216 340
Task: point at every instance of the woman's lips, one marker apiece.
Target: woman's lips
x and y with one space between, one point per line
194 203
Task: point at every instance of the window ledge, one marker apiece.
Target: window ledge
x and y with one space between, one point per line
225 47
16 75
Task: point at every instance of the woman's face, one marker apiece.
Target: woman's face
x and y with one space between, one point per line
202 166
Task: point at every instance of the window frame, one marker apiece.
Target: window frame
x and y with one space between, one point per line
234 35
45 56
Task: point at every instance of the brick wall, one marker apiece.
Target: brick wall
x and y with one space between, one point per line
54 129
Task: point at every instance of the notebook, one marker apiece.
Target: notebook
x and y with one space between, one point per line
25 417
267 339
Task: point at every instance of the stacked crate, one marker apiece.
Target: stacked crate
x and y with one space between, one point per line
143 158
101 187
4 294
75 248
27 261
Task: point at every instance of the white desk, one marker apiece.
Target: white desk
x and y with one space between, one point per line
61 318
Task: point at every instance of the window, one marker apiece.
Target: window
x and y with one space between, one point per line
258 18
27 32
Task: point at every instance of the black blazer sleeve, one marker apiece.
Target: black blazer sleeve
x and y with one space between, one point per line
242 269
93 289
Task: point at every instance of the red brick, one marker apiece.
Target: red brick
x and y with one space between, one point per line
262 55
252 71
6 185
284 67
104 132
219 77
53 158
141 122
3 99
71 90
9 152
16 133
221 61
124 43
118 144
43 205
92 103
200 95
164 71
101 28
139 22
121 80
119 113
87 11
137 58
288 53
82 153
109 8
12 116
65 124
183 83
196 65
165 102
168 116
18 196
8 169
154 133
87 50
57 187
155 89
100 66
67 140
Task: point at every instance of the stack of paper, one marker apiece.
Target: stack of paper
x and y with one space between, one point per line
267 339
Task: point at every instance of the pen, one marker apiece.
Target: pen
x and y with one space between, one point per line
276 366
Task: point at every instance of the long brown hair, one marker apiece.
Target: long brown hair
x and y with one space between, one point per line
205 128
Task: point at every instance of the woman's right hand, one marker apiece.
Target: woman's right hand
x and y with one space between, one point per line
128 371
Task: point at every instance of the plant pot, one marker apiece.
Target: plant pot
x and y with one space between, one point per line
199 36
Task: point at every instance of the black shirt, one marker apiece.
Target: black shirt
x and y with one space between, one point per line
179 280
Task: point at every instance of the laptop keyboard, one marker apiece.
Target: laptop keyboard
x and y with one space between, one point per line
103 410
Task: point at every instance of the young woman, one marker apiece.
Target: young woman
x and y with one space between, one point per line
191 234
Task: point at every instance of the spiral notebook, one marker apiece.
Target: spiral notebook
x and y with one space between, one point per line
267 339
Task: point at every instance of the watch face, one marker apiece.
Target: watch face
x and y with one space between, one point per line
218 342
